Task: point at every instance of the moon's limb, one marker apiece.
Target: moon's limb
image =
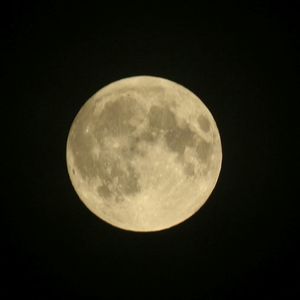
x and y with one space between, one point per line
144 153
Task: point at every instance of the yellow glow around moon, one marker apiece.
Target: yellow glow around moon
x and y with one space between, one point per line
144 153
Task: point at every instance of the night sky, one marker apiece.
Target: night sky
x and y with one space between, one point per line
241 61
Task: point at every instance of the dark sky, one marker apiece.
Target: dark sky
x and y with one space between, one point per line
241 61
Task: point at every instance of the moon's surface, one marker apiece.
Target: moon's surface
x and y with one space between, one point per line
144 153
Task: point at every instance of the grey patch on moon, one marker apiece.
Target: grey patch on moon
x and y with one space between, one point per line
203 123
179 138
161 118
162 121
104 191
114 119
117 181
189 169
204 150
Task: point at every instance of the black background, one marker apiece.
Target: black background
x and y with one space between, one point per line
241 61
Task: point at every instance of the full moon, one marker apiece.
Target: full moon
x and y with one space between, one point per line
144 153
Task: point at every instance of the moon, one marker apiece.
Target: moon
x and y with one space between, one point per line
144 153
